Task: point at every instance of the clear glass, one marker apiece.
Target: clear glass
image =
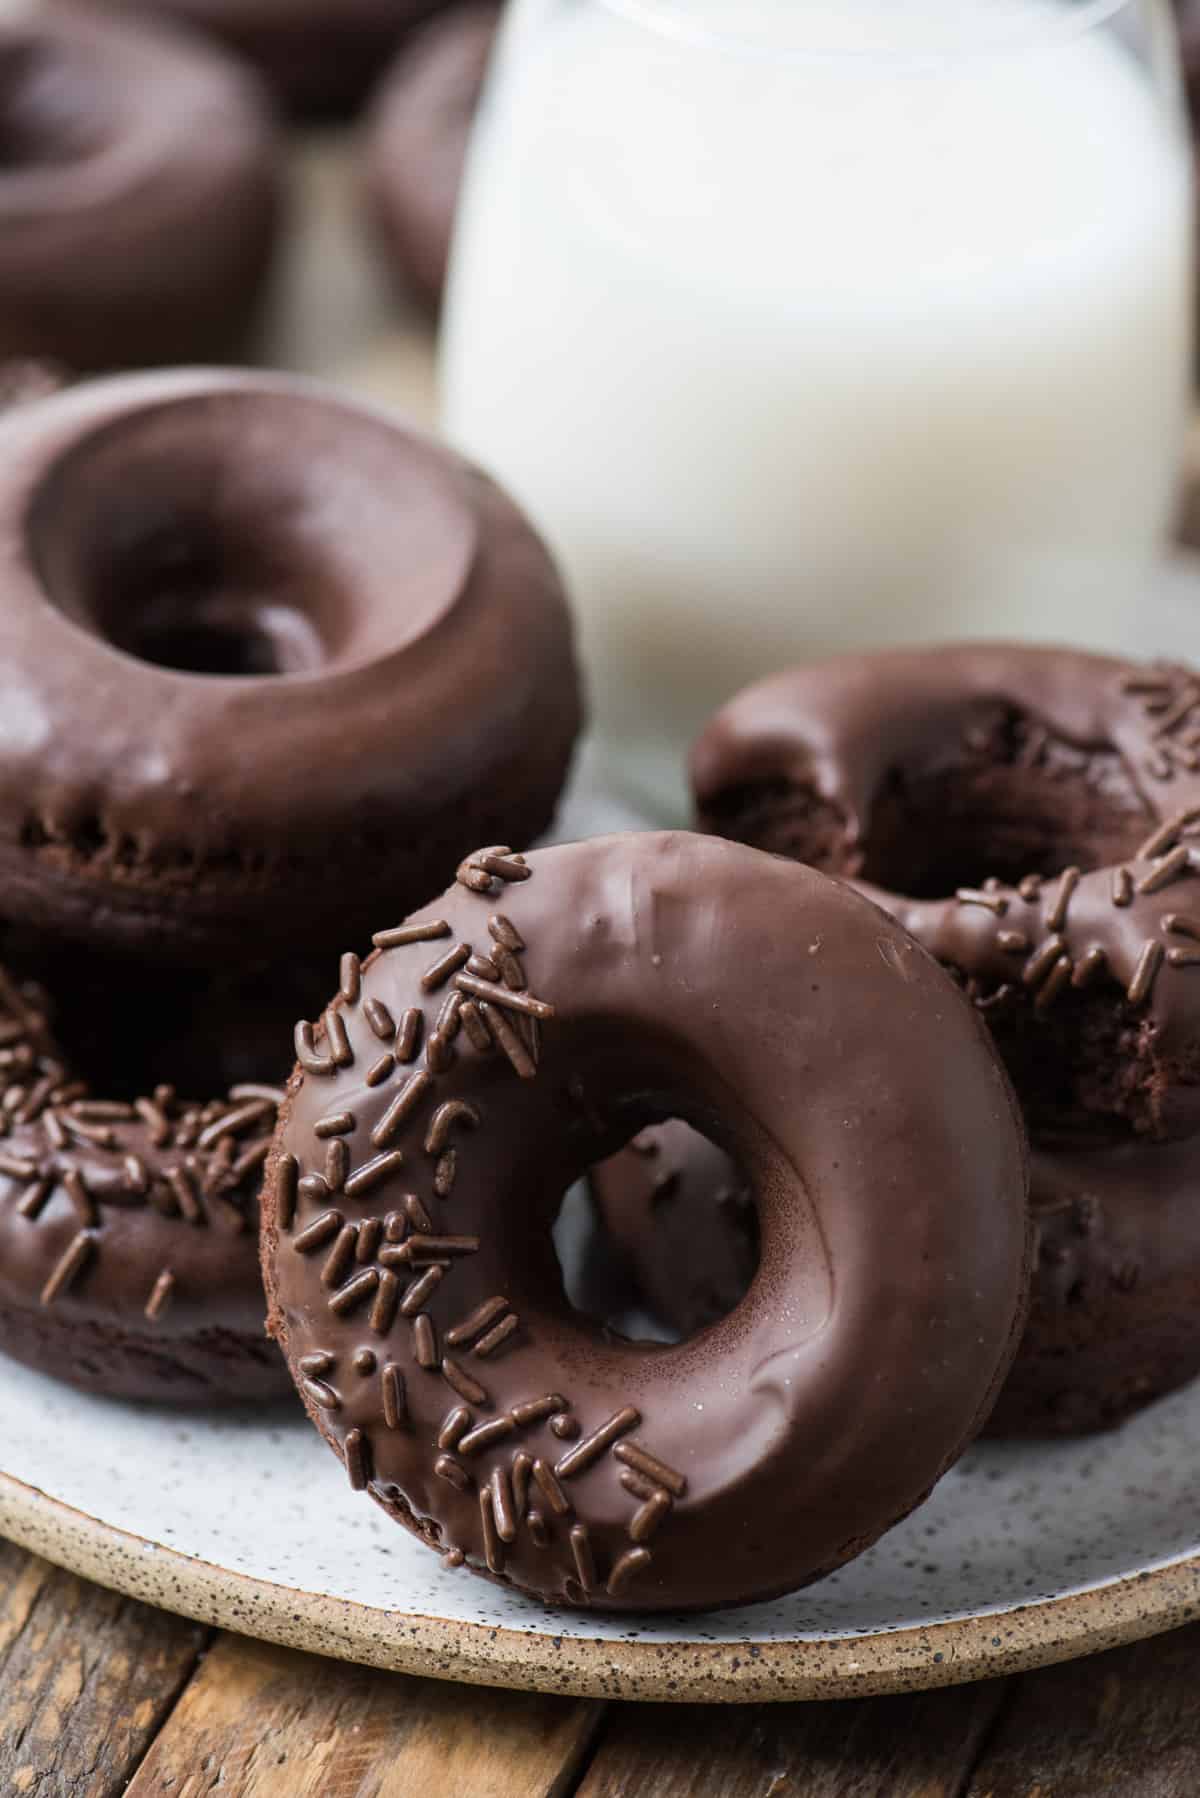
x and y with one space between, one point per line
807 324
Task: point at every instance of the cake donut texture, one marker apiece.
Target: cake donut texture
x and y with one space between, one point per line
273 663
519 1029
1032 817
139 191
128 1231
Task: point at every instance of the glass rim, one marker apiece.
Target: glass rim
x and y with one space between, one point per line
667 19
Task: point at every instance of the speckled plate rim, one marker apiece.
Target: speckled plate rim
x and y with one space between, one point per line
987 1645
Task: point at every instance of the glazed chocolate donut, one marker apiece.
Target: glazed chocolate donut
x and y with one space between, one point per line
128 1256
1029 815
417 144
518 1030
320 56
139 187
271 662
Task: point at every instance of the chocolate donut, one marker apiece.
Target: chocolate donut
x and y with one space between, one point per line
139 187
517 1031
320 56
1030 815
271 663
128 1254
416 144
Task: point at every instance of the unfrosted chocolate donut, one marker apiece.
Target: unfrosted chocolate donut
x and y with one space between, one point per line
272 663
128 1240
416 144
139 188
513 1033
1031 816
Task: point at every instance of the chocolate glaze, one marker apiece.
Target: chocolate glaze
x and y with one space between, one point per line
426 689
320 56
139 190
128 1259
416 144
801 1029
898 764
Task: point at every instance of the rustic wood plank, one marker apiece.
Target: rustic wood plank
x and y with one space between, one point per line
267 1722
1125 1722
917 1746
86 1678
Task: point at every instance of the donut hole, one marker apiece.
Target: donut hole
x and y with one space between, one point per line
662 1241
52 113
250 534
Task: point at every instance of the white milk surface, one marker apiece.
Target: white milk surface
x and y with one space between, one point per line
800 324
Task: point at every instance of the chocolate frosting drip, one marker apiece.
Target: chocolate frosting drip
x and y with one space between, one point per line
128 1231
274 662
514 1033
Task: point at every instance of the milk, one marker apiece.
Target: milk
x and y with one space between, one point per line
863 320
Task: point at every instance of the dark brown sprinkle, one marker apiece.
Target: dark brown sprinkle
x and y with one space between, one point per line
443 1178
307 1054
452 1559
1030 888
565 1427
1164 872
32 1201
525 1003
319 1232
452 1471
422 1290
232 1123
990 901
497 1337
422 1248
313 1189
337 1123
380 1019
455 1425
1089 965
1041 962
635 1456
539 1531
1166 833
1148 964
503 1506
437 975
447 1024
510 970
335 1036
484 967
321 1394
581 1548
395 1398
509 1041
457 1377
477 1032
1183 958
401 1107
484 1434
372 1173
57 1137
365 1361
589 1451
341 1257
1122 887
444 1118
630 1564
181 1184
474 878
638 1484
504 865
316 1364
492 1551
1178 925
80 1197
1058 978
379 1070
69 1266
476 1322
370 1232
103 1111
137 1175
395 1226
350 978
254 1089
418 1217
439 1053
383 1308
251 1158
408 1035
533 1410
522 1468
337 1164
157 1119
411 933
552 1492
424 1341
18 1167
355 1292
1056 917
648 1516
161 1294
358 1457
103 1135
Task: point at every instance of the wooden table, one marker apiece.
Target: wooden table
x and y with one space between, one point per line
100 1695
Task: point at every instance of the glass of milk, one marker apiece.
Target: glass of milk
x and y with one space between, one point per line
805 324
